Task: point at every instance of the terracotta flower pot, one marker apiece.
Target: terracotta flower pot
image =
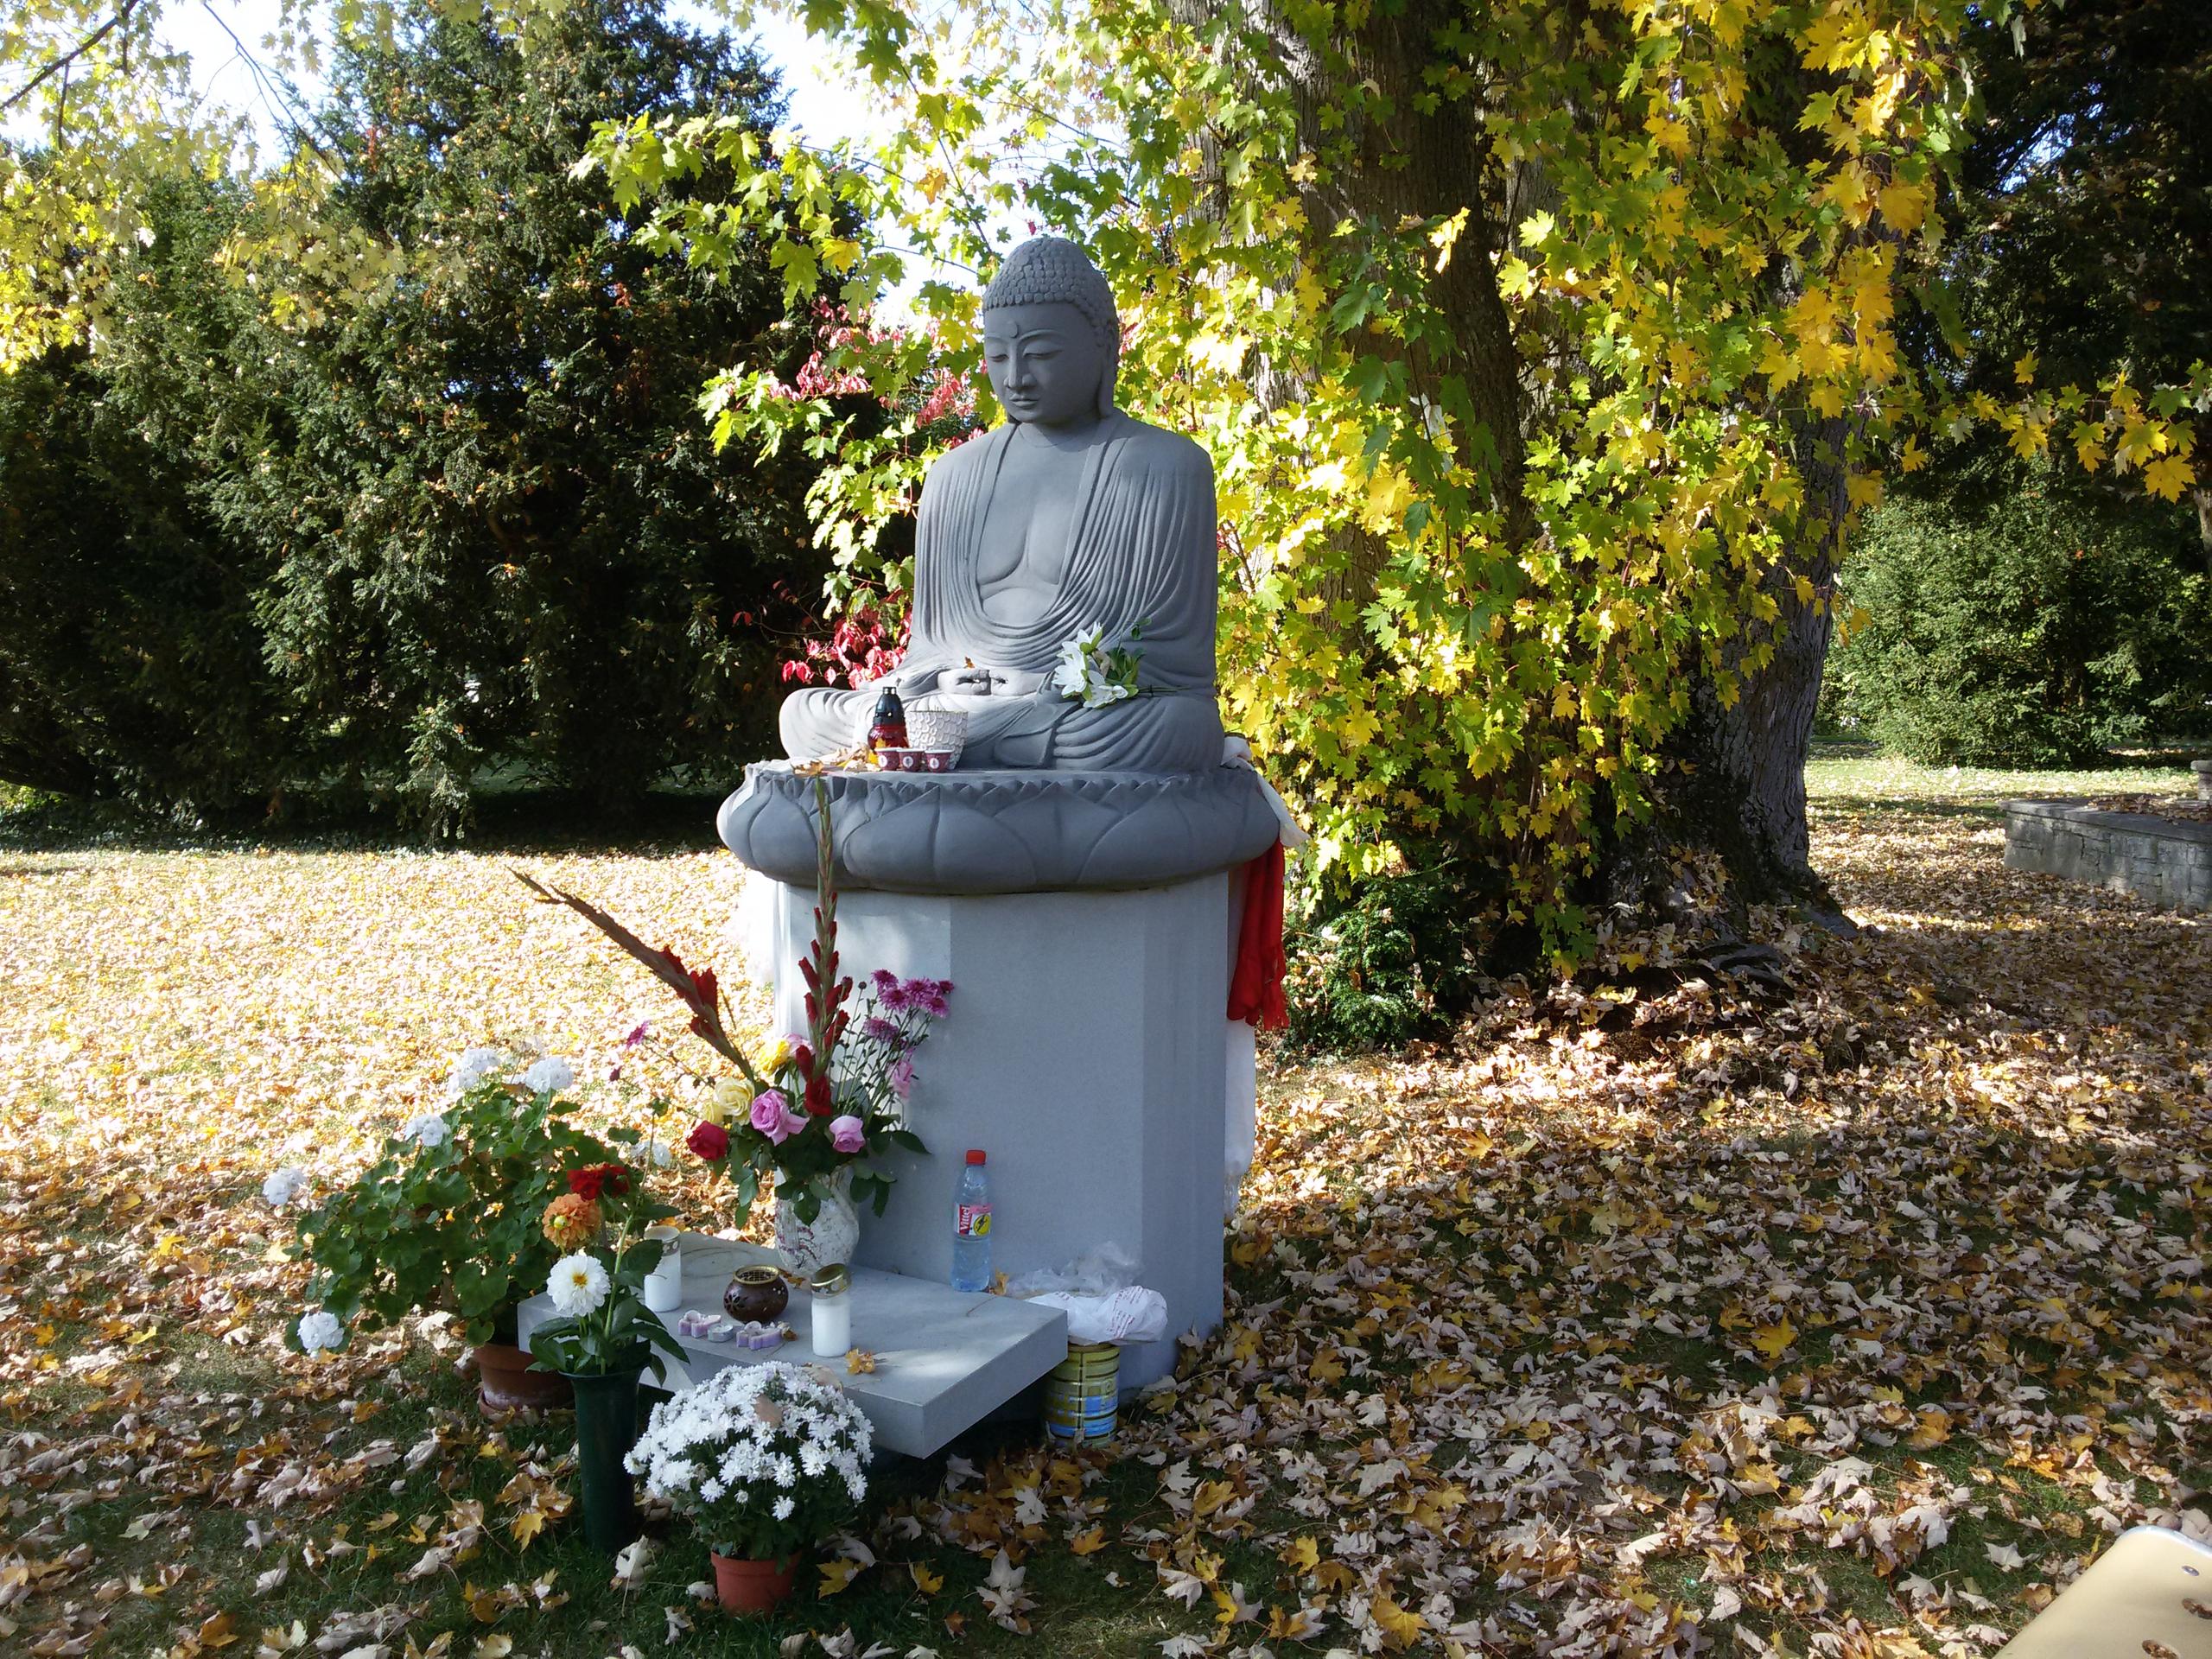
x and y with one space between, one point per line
506 1382
753 1586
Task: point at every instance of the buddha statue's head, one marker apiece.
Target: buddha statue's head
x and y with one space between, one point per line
1051 339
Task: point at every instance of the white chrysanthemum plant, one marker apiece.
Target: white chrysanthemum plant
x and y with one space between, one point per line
1093 673
766 1460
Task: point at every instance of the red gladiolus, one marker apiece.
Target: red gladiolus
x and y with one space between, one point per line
710 1141
803 1058
819 1102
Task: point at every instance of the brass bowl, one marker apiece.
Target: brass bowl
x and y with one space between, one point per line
757 1294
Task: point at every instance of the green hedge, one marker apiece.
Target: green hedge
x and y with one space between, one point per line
2024 617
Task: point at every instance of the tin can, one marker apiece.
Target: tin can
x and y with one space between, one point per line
1081 1391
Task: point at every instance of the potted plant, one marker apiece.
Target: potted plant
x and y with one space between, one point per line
822 1101
448 1219
601 1339
767 1460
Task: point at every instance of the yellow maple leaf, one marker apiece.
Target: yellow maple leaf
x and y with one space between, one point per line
1399 1627
2167 477
835 1575
1301 1554
1932 1428
927 1582
1089 1542
1358 728
526 1527
1773 1340
1905 206
2023 369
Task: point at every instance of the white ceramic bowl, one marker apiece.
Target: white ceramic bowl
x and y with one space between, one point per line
937 731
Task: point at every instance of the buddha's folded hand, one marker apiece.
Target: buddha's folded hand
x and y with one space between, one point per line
973 680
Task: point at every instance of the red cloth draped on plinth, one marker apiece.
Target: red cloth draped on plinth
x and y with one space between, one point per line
1255 986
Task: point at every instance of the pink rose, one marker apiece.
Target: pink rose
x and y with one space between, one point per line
902 1075
772 1115
847 1133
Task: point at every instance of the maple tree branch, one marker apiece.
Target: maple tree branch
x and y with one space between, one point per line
58 65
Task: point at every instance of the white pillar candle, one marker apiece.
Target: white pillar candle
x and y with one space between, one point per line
832 1312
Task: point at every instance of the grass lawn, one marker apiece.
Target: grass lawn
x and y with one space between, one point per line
1851 1323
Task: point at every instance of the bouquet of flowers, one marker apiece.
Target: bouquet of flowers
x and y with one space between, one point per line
1093 673
821 1099
806 1113
603 1324
767 1460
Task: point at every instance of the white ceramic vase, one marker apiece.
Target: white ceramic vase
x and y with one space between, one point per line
830 1239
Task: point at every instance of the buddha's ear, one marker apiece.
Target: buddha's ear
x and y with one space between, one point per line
1106 382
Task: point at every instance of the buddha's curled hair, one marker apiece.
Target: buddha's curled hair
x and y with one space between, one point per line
1049 270
1053 270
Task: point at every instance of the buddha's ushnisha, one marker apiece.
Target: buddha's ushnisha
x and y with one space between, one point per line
1070 516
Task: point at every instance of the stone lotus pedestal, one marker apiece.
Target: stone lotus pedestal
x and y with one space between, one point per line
1085 1050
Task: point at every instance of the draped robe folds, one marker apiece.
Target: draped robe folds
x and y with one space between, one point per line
1140 553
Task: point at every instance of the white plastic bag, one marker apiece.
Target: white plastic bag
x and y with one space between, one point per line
1129 1314
1094 1291
1094 1273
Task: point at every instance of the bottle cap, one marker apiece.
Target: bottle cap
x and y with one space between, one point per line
975 1155
833 1281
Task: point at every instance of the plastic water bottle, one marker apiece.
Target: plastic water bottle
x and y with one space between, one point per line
971 1227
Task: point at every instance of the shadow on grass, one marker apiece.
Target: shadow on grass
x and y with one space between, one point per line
660 825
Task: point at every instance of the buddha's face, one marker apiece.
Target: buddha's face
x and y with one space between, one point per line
1045 363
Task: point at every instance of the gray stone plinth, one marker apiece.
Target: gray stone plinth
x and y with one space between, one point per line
2165 862
2203 771
1084 1054
944 1359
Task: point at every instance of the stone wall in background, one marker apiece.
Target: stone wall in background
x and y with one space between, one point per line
2167 863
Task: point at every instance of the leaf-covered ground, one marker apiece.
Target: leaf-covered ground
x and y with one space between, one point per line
1645 1322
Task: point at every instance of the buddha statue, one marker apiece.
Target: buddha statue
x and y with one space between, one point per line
1072 516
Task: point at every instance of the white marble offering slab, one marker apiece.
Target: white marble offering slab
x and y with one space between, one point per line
945 1358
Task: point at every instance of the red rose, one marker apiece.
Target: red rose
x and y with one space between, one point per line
818 1102
710 1141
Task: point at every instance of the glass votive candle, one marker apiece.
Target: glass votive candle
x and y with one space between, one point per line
832 1312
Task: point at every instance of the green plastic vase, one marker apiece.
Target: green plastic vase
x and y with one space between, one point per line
607 1427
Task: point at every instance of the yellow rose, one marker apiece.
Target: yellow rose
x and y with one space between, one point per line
779 1056
729 1096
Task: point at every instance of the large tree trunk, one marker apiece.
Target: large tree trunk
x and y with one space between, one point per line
1737 779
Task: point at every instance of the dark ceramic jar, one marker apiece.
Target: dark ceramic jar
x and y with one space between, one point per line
757 1294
